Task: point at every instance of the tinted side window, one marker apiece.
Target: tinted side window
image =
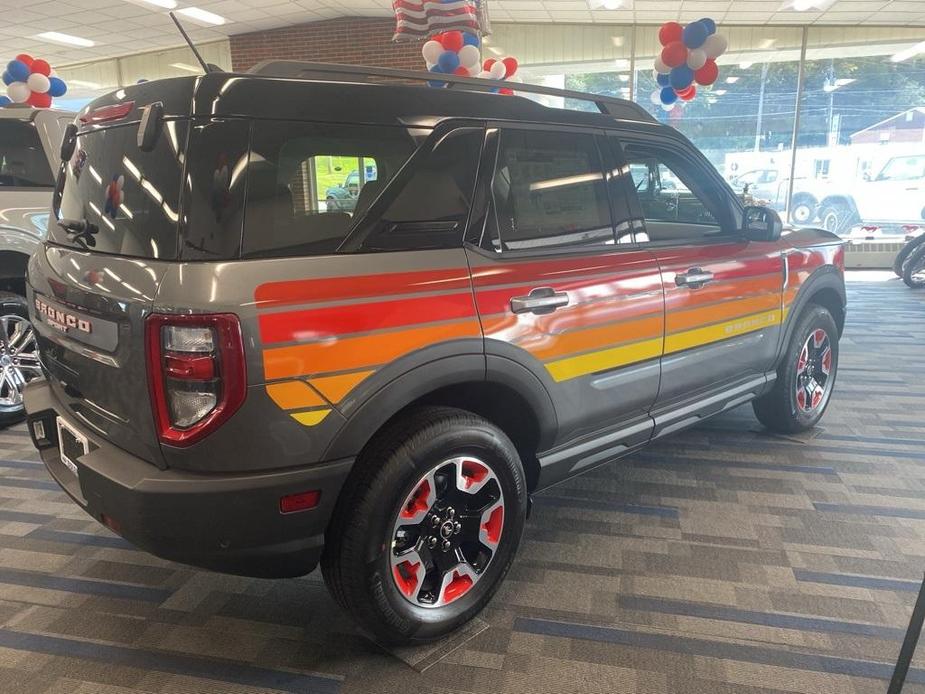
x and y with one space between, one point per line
675 206
431 206
307 182
548 192
23 163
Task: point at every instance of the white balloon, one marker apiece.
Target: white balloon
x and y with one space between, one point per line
18 92
431 51
660 67
656 97
714 46
469 56
668 107
498 70
38 82
484 74
696 58
429 65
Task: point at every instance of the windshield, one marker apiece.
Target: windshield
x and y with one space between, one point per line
903 169
127 198
23 163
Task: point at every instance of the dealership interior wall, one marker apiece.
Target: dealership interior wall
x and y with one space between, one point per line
723 559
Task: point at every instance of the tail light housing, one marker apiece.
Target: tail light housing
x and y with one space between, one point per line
196 373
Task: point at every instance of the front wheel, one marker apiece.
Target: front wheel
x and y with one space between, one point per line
19 356
905 253
805 377
427 527
837 217
914 269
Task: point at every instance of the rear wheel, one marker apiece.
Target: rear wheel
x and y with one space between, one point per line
905 252
428 526
19 356
914 268
805 377
804 209
837 217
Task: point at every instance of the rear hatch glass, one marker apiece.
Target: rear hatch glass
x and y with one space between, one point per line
23 163
129 198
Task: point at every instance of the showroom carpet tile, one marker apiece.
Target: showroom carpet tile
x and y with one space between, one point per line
724 560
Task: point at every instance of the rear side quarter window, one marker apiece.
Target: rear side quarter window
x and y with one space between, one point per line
23 163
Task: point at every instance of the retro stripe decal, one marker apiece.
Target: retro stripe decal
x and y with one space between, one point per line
720 331
605 359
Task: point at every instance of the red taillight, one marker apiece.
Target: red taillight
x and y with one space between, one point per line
196 373
104 114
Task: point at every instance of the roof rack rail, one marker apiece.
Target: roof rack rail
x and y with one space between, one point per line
295 69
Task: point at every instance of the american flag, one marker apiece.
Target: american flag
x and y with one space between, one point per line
417 19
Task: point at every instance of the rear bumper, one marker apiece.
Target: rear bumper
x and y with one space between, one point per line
224 522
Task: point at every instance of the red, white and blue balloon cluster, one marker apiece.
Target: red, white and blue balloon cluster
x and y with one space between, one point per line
459 53
688 55
31 81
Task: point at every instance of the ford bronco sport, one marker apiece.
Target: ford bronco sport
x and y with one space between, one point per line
242 380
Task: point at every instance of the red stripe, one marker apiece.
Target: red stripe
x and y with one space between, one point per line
333 288
324 323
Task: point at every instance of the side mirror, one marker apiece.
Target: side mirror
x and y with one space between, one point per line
761 224
68 143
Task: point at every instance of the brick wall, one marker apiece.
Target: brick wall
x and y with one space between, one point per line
351 40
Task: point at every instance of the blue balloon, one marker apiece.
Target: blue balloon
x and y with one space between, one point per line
448 62
7 78
695 34
662 79
435 83
709 24
57 86
680 77
4 100
668 96
18 70
470 39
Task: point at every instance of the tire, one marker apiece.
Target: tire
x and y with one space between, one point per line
371 556
914 269
905 252
837 217
783 409
19 362
804 211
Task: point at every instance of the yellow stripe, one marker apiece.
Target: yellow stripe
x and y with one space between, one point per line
564 369
720 331
310 418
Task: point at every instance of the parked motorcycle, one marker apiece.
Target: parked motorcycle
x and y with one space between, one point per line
905 253
914 267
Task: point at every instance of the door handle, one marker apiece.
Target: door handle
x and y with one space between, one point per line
694 278
539 301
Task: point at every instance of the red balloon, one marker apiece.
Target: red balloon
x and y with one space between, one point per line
507 91
41 66
687 94
707 74
451 40
670 32
486 66
461 71
510 65
39 100
25 58
674 54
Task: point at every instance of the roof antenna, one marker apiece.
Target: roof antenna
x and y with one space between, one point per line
205 66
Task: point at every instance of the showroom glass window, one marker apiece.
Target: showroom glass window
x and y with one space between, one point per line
23 163
861 143
548 193
307 182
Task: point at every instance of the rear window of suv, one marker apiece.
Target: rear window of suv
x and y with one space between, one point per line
308 182
23 163
130 197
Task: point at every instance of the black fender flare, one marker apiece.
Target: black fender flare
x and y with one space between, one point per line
396 393
827 277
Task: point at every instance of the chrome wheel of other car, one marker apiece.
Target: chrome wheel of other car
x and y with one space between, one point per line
813 369
446 532
19 359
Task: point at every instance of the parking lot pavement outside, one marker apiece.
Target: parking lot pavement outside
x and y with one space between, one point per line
722 560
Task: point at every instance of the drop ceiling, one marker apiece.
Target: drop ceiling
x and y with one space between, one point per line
123 27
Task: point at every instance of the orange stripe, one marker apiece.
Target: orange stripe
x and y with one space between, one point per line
698 317
553 346
682 297
357 352
334 388
294 395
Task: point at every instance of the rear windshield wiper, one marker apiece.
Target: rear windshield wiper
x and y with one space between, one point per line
82 230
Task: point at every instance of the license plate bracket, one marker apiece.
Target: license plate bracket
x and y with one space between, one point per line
71 444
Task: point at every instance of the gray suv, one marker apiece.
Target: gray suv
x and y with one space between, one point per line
243 380
29 143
